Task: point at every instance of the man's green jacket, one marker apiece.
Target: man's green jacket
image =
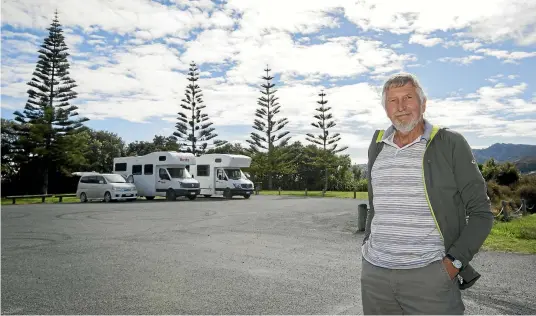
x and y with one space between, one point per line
456 193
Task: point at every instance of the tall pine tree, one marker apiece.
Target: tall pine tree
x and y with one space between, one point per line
193 127
271 138
48 119
327 142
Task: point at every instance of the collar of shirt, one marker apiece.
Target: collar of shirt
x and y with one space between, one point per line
390 133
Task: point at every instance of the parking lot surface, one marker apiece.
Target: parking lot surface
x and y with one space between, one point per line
265 255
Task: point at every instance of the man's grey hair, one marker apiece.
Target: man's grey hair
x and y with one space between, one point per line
399 80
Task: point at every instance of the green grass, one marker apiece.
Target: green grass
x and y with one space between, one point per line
518 235
335 194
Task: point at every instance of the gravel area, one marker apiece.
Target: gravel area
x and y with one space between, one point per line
265 255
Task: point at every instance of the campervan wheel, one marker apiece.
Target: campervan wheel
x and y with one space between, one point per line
170 195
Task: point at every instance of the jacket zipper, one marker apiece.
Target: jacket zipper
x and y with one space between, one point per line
426 191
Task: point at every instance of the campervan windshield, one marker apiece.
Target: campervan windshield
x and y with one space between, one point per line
114 178
235 174
179 173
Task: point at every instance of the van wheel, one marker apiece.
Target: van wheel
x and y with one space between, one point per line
107 197
83 197
170 195
150 198
207 195
227 194
247 196
192 197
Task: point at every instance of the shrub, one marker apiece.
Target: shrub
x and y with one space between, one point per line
507 174
528 192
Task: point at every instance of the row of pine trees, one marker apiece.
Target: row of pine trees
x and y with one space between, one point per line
47 131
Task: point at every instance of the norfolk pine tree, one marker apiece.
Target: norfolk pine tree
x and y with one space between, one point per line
48 119
327 142
193 127
271 137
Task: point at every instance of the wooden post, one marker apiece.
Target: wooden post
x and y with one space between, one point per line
279 190
43 199
523 207
305 191
361 217
323 192
355 194
13 200
506 216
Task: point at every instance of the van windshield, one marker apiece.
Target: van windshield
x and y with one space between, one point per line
179 173
234 174
114 178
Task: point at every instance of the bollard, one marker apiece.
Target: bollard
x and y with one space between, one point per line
355 195
361 217
279 190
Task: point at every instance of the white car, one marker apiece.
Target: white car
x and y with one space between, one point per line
105 186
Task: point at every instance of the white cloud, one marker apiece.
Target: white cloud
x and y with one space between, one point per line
492 20
466 60
424 41
507 56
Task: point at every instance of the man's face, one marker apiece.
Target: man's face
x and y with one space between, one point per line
402 107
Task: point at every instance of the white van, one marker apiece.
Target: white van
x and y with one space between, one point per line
104 186
161 173
220 174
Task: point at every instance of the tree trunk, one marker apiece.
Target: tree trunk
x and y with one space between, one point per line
326 180
270 176
44 189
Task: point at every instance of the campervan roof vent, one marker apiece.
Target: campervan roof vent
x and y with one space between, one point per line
162 158
218 159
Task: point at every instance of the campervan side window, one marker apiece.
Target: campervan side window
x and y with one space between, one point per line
136 169
203 170
121 166
162 158
148 169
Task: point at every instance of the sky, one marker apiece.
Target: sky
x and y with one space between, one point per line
475 60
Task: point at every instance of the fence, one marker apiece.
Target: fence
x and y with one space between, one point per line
507 214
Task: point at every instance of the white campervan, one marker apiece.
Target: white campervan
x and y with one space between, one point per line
220 174
162 173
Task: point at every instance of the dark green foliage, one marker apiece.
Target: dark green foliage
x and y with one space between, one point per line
194 128
270 137
48 118
159 143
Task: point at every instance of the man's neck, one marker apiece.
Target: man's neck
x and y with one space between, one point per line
403 139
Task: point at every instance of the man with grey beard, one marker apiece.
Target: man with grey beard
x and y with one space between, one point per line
429 211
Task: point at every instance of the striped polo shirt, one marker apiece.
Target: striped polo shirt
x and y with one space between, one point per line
403 232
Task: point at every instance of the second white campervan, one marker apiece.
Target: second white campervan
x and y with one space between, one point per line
162 173
221 174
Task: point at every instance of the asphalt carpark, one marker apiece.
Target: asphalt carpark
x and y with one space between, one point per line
265 255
